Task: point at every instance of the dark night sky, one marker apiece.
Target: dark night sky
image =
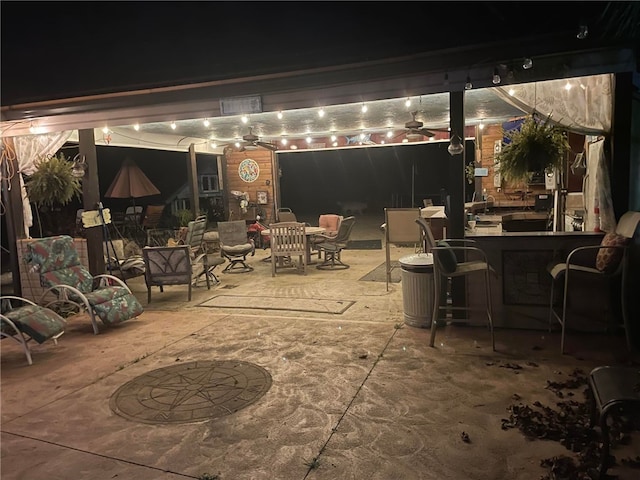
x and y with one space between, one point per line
54 49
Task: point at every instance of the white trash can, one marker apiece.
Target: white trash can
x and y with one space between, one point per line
417 289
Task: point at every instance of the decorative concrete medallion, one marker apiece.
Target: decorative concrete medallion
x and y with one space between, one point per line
249 170
191 392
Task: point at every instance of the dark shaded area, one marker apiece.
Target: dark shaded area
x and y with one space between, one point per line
314 182
129 45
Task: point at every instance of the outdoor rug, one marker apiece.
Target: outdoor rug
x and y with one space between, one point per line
254 302
364 244
379 274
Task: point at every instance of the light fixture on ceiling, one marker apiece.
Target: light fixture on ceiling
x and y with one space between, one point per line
321 113
389 134
105 130
206 122
407 102
364 108
468 85
481 125
284 141
583 32
80 166
136 127
567 86
455 146
213 145
496 77
173 126
244 119
527 63
333 138
309 139
280 115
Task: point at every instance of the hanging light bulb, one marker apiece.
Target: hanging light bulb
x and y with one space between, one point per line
280 115
583 32
333 138
206 122
468 85
321 113
214 145
496 77
567 86
455 146
407 103
364 108
136 127
283 141
173 125
481 125
527 63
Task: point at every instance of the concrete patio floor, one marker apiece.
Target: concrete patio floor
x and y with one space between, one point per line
356 395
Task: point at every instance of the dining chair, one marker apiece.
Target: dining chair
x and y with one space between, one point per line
399 228
447 266
285 214
288 240
332 246
606 262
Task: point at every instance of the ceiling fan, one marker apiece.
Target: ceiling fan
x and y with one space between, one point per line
415 130
252 142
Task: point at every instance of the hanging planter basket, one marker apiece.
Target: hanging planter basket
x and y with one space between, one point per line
537 147
53 183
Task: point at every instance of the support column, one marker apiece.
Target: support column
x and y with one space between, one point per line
12 199
90 199
455 190
192 174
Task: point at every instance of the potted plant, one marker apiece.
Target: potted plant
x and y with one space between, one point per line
51 187
538 146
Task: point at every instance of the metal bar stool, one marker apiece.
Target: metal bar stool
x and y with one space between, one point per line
613 389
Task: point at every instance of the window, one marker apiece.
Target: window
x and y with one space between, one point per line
209 183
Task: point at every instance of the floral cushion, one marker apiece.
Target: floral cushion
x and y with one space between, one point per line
52 253
119 305
38 322
608 259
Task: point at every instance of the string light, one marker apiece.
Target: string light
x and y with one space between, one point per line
407 103
496 77
468 85
206 122
309 139
567 86
245 119
280 115
527 63
364 108
321 113
136 127
173 125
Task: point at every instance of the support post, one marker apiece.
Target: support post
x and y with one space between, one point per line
192 173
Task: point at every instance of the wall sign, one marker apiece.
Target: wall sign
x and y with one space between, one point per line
249 170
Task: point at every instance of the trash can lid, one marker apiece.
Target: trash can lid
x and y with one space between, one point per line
417 260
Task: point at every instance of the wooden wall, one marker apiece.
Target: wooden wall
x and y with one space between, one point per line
232 181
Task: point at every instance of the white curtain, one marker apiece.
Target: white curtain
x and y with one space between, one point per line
597 191
586 107
30 150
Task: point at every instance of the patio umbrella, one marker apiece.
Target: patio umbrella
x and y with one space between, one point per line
131 182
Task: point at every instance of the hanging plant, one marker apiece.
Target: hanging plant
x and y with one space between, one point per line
538 146
53 183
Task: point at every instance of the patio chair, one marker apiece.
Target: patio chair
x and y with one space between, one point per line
27 322
446 266
235 246
285 214
332 246
203 263
399 228
331 223
61 273
288 239
168 266
610 264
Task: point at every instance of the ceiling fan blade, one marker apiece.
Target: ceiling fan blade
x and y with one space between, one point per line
268 146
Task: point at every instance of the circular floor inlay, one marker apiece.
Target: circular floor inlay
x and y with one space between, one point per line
191 392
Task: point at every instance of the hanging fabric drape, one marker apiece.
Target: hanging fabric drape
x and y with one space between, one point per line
599 213
30 150
586 107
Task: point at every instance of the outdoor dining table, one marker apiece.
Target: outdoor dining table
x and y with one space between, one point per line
308 231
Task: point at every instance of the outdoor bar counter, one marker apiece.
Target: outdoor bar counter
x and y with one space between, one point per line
521 291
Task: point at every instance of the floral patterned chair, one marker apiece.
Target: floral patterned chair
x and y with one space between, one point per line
28 321
61 273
